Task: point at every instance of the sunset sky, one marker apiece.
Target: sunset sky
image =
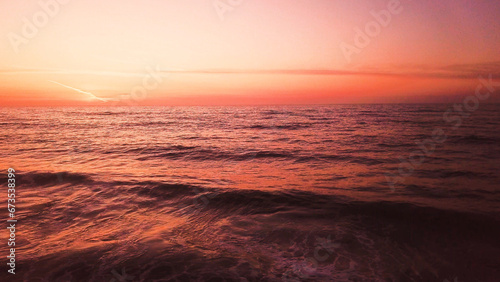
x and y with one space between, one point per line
187 52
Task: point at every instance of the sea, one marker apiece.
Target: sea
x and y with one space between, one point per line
395 192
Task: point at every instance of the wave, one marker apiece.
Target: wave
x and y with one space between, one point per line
277 224
446 173
255 201
297 126
212 154
474 139
246 202
356 159
397 145
199 154
51 178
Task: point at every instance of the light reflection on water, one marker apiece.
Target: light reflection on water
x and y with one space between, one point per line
243 192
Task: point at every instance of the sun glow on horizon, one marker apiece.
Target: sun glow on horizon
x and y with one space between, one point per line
260 52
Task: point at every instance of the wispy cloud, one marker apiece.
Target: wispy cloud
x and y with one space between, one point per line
463 71
471 71
21 71
81 91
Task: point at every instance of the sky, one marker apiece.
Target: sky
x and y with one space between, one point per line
238 52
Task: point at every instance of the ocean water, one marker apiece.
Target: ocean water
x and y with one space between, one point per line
295 193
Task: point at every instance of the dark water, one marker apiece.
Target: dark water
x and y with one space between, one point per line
254 193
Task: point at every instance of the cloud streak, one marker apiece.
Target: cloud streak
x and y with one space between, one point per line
81 91
471 71
463 71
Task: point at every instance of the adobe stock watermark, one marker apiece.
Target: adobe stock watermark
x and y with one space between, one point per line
323 250
199 203
453 117
223 6
372 29
48 10
121 277
151 81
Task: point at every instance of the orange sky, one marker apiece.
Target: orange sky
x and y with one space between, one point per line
155 52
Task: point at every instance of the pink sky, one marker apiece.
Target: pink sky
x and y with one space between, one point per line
262 52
